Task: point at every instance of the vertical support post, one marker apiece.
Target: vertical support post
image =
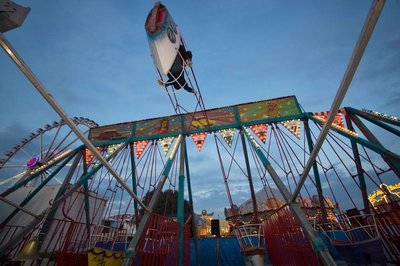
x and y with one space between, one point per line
250 178
86 191
87 207
318 245
316 173
194 228
134 185
360 171
181 199
131 250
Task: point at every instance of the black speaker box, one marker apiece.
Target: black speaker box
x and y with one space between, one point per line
215 227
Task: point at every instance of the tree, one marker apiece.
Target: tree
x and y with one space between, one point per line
167 204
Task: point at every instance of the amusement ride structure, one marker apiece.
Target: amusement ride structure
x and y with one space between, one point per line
80 193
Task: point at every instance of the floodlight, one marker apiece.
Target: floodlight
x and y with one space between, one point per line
12 15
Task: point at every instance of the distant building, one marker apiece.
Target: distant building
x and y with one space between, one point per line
203 222
385 194
271 199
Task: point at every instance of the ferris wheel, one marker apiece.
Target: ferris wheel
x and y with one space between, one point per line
48 143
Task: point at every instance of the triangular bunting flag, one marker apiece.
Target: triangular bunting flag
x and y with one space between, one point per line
334 125
260 130
293 126
166 144
140 146
227 135
89 156
199 139
338 120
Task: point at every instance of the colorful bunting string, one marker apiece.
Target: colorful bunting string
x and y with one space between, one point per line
199 139
166 144
261 131
140 146
227 135
293 126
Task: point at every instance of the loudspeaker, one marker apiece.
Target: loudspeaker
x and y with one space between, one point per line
215 227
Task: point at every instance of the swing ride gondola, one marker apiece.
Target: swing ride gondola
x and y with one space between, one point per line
120 197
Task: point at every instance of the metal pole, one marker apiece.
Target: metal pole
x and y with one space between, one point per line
134 185
131 250
360 171
181 205
15 205
379 121
12 53
392 159
365 35
86 193
33 193
366 143
250 178
308 230
62 194
316 173
49 218
28 176
194 228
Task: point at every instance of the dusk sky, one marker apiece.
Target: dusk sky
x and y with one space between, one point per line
94 58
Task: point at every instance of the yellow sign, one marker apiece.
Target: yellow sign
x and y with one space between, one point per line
102 257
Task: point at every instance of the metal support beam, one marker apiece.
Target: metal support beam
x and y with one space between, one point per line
33 193
392 159
377 120
250 178
365 35
373 117
181 200
133 245
194 228
316 173
62 194
87 208
317 243
53 209
134 182
360 171
27 177
368 144
12 53
15 205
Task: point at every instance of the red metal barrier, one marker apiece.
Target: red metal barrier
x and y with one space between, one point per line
387 218
285 241
159 246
